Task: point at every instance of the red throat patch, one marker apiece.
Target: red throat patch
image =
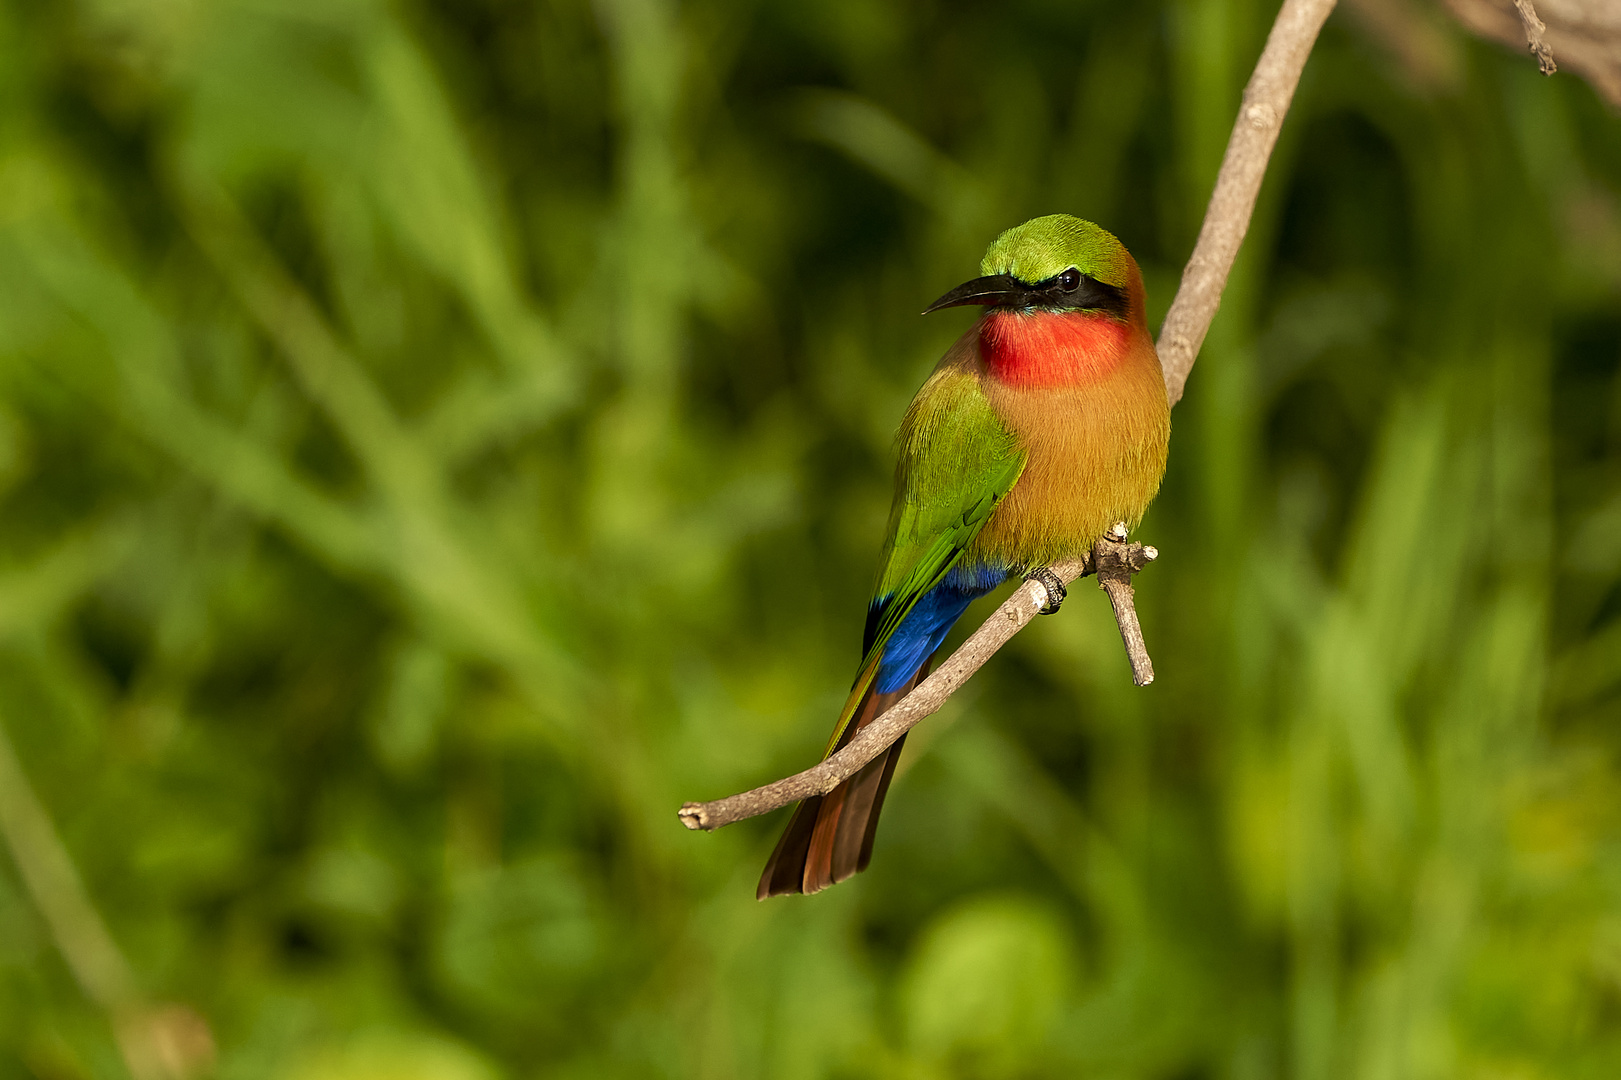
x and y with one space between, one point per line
1048 349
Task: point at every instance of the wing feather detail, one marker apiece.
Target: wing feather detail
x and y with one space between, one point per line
957 462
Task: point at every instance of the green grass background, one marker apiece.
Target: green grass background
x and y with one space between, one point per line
439 438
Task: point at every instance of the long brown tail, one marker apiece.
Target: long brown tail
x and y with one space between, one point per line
830 836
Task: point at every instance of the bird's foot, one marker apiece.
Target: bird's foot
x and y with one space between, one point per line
1055 588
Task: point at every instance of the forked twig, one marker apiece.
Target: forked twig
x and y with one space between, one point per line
1114 562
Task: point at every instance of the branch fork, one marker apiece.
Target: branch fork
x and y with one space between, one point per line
1115 561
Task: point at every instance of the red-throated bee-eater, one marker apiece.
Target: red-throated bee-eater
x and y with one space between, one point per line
1040 428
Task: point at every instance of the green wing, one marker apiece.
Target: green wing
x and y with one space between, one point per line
957 461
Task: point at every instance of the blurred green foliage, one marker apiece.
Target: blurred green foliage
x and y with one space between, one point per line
437 439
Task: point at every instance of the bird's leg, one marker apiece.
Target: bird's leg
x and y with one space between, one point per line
1055 588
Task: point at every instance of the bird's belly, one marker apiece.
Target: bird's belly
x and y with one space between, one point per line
1095 456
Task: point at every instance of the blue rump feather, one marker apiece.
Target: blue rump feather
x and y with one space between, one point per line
915 640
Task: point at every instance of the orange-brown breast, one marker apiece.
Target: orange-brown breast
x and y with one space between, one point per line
1086 398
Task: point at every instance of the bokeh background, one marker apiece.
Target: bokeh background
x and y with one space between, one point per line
439 438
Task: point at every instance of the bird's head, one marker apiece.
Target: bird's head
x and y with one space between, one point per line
1055 263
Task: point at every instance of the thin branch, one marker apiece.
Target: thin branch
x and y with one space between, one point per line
1027 601
1115 564
1266 101
924 700
1585 33
1232 204
1534 29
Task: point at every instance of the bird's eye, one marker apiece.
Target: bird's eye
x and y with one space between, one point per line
1069 280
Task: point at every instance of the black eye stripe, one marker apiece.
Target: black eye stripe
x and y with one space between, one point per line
1068 290
1072 290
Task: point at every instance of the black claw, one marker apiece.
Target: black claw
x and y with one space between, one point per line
1055 588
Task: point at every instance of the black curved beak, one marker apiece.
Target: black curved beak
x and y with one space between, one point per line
998 290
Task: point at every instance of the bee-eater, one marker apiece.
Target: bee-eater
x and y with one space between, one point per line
1040 428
